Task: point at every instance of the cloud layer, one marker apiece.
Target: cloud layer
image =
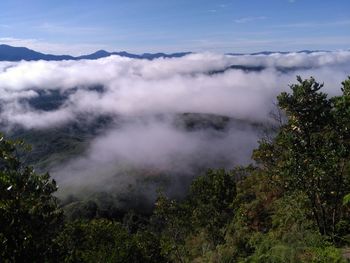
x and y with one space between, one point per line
139 91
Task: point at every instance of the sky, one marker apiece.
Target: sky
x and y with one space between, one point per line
138 26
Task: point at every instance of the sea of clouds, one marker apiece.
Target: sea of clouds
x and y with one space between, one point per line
138 91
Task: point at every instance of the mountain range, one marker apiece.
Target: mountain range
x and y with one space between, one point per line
10 53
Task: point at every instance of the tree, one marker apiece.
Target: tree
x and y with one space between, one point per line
211 198
98 240
196 225
311 151
173 219
29 214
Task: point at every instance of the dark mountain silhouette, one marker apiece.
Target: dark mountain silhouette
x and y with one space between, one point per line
10 53
266 53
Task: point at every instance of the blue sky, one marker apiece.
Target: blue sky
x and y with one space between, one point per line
76 27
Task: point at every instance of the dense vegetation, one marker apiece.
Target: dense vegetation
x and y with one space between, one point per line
292 205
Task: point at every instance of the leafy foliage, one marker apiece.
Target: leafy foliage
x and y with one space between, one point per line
97 241
29 214
199 218
311 152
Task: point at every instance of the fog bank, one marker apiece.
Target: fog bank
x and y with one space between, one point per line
146 101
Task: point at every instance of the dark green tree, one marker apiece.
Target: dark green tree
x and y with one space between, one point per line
211 198
98 240
198 221
173 221
29 214
311 151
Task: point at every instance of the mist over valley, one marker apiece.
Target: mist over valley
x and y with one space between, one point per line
128 127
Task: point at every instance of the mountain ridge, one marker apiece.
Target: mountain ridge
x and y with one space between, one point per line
11 53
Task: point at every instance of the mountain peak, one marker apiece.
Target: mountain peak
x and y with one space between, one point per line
102 52
96 55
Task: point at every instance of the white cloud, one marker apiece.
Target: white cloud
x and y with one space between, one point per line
314 24
135 87
249 19
137 91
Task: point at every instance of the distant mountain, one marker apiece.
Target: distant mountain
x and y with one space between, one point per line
10 53
96 55
150 56
266 53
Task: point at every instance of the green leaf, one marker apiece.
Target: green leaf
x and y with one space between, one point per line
346 199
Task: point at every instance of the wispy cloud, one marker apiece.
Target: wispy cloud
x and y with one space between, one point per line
314 24
68 29
249 19
218 8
